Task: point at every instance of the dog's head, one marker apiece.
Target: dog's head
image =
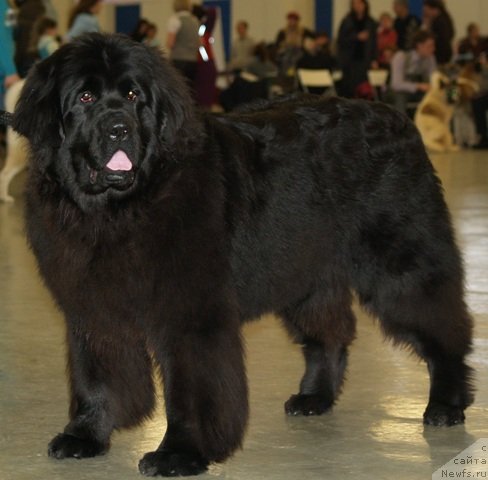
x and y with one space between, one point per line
454 85
103 115
443 85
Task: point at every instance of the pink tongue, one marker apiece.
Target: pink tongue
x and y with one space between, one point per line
119 161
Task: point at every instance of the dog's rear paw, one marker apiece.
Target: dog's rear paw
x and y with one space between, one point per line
440 415
172 464
68 446
307 405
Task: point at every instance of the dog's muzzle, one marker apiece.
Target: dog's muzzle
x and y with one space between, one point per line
119 180
117 173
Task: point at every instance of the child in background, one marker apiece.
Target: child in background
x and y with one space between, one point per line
386 40
151 36
46 34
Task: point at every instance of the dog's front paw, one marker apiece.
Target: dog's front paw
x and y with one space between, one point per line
440 415
68 446
307 405
172 464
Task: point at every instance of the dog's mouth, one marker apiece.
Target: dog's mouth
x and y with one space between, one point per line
118 172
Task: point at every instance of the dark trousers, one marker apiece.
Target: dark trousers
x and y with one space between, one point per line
188 69
480 109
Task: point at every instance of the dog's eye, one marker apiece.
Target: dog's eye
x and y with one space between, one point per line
132 96
87 97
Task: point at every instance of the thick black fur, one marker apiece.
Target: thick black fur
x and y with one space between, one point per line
288 207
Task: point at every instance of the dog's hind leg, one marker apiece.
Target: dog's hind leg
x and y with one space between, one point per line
324 325
441 335
418 298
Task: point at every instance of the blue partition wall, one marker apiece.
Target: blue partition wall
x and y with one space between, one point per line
126 18
416 7
225 7
324 12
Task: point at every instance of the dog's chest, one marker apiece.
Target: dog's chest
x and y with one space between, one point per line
96 267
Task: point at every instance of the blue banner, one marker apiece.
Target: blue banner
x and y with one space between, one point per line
323 16
225 7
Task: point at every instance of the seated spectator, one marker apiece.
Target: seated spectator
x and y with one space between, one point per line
253 82
386 38
317 56
140 30
261 65
289 42
151 36
242 48
387 57
46 37
473 45
406 24
411 71
316 53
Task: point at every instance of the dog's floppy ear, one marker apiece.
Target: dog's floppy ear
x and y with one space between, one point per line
173 103
37 114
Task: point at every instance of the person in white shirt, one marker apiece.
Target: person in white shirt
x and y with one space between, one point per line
83 18
411 71
183 40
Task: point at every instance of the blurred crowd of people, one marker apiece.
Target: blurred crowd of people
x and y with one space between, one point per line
29 33
408 47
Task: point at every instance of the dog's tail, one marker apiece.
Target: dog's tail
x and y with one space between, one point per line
5 118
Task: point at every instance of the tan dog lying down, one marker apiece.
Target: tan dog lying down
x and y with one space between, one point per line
16 159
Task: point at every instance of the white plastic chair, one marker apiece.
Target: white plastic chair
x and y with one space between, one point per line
309 78
378 80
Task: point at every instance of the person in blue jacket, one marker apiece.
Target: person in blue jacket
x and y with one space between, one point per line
83 18
8 72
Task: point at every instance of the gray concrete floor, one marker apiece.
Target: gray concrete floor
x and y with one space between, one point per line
375 431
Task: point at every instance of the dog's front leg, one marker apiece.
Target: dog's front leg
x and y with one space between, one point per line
111 387
88 432
205 393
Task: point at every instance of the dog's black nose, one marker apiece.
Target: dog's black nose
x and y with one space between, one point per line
119 132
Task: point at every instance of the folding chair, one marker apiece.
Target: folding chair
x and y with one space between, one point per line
378 80
311 79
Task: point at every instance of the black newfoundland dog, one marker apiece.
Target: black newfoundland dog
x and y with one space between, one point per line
159 231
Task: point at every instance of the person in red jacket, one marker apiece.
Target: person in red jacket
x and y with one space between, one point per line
386 38
206 73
